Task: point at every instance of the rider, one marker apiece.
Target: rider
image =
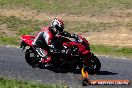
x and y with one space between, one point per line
49 34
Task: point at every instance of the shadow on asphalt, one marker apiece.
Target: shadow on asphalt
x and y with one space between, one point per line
59 70
77 71
106 73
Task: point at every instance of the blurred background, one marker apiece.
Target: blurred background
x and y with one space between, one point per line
106 24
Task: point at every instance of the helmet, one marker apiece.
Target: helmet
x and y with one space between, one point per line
57 25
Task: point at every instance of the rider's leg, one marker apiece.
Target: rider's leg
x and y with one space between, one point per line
37 39
36 44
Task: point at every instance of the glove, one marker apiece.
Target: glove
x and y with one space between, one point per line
76 37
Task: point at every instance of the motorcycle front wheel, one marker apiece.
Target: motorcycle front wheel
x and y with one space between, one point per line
90 63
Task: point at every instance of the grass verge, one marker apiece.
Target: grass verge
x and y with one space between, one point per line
112 50
9 40
9 83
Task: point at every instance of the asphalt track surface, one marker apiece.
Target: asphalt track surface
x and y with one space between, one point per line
13 65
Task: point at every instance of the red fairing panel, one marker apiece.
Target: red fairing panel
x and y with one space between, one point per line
28 39
82 48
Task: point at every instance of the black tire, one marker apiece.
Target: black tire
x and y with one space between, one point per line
92 64
30 60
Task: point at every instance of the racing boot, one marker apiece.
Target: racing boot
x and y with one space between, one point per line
40 52
48 61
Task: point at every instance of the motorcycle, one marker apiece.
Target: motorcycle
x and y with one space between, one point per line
80 55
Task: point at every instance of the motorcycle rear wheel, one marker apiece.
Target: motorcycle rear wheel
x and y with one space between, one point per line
30 60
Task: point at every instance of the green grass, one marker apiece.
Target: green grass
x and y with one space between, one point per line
9 40
79 7
112 50
28 26
9 83
12 22
16 24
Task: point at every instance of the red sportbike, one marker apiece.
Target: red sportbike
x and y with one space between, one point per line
79 56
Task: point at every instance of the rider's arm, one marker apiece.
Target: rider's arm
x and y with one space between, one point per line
66 34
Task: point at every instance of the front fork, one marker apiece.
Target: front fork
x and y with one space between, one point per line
23 45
